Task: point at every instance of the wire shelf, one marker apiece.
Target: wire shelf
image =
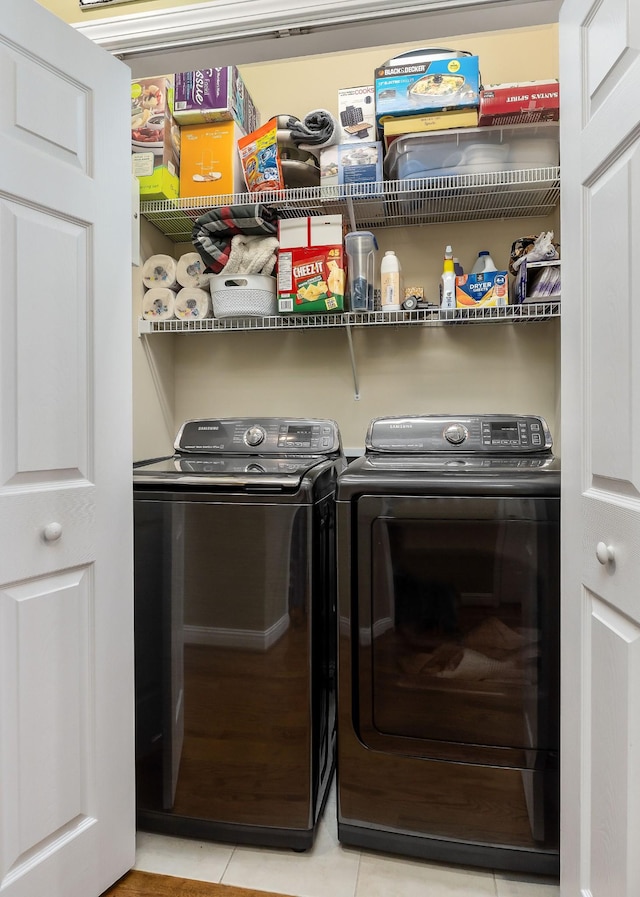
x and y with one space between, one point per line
527 313
524 193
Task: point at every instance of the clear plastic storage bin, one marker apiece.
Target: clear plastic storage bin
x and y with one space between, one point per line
470 151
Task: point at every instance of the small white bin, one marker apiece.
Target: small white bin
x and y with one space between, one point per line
243 295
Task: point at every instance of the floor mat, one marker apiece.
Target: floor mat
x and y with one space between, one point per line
149 884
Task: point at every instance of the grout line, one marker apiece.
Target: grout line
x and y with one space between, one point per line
355 890
224 871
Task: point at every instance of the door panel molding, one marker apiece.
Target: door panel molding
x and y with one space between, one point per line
608 50
47 742
614 740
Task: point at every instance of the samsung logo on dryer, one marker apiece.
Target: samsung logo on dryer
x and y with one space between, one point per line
208 428
400 426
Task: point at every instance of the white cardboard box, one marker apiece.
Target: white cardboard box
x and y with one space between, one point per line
357 114
323 230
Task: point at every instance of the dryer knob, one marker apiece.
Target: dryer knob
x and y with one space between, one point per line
254 436
455 434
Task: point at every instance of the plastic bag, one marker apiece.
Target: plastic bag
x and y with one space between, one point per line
540 248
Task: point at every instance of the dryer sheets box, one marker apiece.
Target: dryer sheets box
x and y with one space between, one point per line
488 289
311 277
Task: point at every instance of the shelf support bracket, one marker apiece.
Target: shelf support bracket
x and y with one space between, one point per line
350 210
352 357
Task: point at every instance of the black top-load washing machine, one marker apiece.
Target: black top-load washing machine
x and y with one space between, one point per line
235 601
448 646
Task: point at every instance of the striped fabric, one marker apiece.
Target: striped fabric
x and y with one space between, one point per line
213 231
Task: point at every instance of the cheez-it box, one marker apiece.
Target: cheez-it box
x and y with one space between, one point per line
518 103
311 276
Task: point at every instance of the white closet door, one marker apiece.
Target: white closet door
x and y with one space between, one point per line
600 86
67 811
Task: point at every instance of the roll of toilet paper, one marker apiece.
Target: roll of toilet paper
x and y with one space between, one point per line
190 271
193 303
160 271
158 304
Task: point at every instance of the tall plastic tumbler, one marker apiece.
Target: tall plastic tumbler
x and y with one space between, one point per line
361 247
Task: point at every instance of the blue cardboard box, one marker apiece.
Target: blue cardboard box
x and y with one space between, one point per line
488 289
420 87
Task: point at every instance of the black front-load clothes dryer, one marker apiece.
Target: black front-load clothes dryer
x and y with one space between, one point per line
235 603
448 645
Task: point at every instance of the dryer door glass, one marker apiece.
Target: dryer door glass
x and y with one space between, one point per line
458 610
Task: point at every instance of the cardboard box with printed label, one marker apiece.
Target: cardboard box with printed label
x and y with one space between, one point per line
488 289
418 88
311 276
155 138
209 160
357 113
434 121
351 163
525 102
213 95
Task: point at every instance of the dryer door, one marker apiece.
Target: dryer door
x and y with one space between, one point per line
457 627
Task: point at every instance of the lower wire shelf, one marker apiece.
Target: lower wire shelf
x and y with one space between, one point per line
526 313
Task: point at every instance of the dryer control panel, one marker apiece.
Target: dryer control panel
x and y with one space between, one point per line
259 436
470 434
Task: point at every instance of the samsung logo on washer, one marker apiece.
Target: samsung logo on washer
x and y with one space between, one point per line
209 428
400 426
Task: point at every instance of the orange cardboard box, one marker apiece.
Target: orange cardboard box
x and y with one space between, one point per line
209 160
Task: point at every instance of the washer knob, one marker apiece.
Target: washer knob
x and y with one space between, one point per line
254 436
455 434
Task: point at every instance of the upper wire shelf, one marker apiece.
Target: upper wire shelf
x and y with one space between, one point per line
525 193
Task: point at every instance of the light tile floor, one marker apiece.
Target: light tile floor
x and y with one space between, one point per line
328 869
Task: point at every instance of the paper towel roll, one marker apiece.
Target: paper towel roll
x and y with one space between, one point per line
190 271
160 271
193 303
158 304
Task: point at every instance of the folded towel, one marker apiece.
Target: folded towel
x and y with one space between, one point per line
251 255
212 232
317 129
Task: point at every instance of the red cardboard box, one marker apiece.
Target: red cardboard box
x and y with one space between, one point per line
526 102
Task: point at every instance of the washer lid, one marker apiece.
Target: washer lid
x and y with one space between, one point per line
225 471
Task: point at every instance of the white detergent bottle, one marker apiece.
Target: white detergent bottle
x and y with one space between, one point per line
448 281
483 263
390 282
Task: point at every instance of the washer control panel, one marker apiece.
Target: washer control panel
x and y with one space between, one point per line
264 436
479 434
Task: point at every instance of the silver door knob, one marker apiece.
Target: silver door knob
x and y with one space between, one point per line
604 553
52 532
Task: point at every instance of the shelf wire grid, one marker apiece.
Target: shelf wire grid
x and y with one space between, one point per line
526 313
471 197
